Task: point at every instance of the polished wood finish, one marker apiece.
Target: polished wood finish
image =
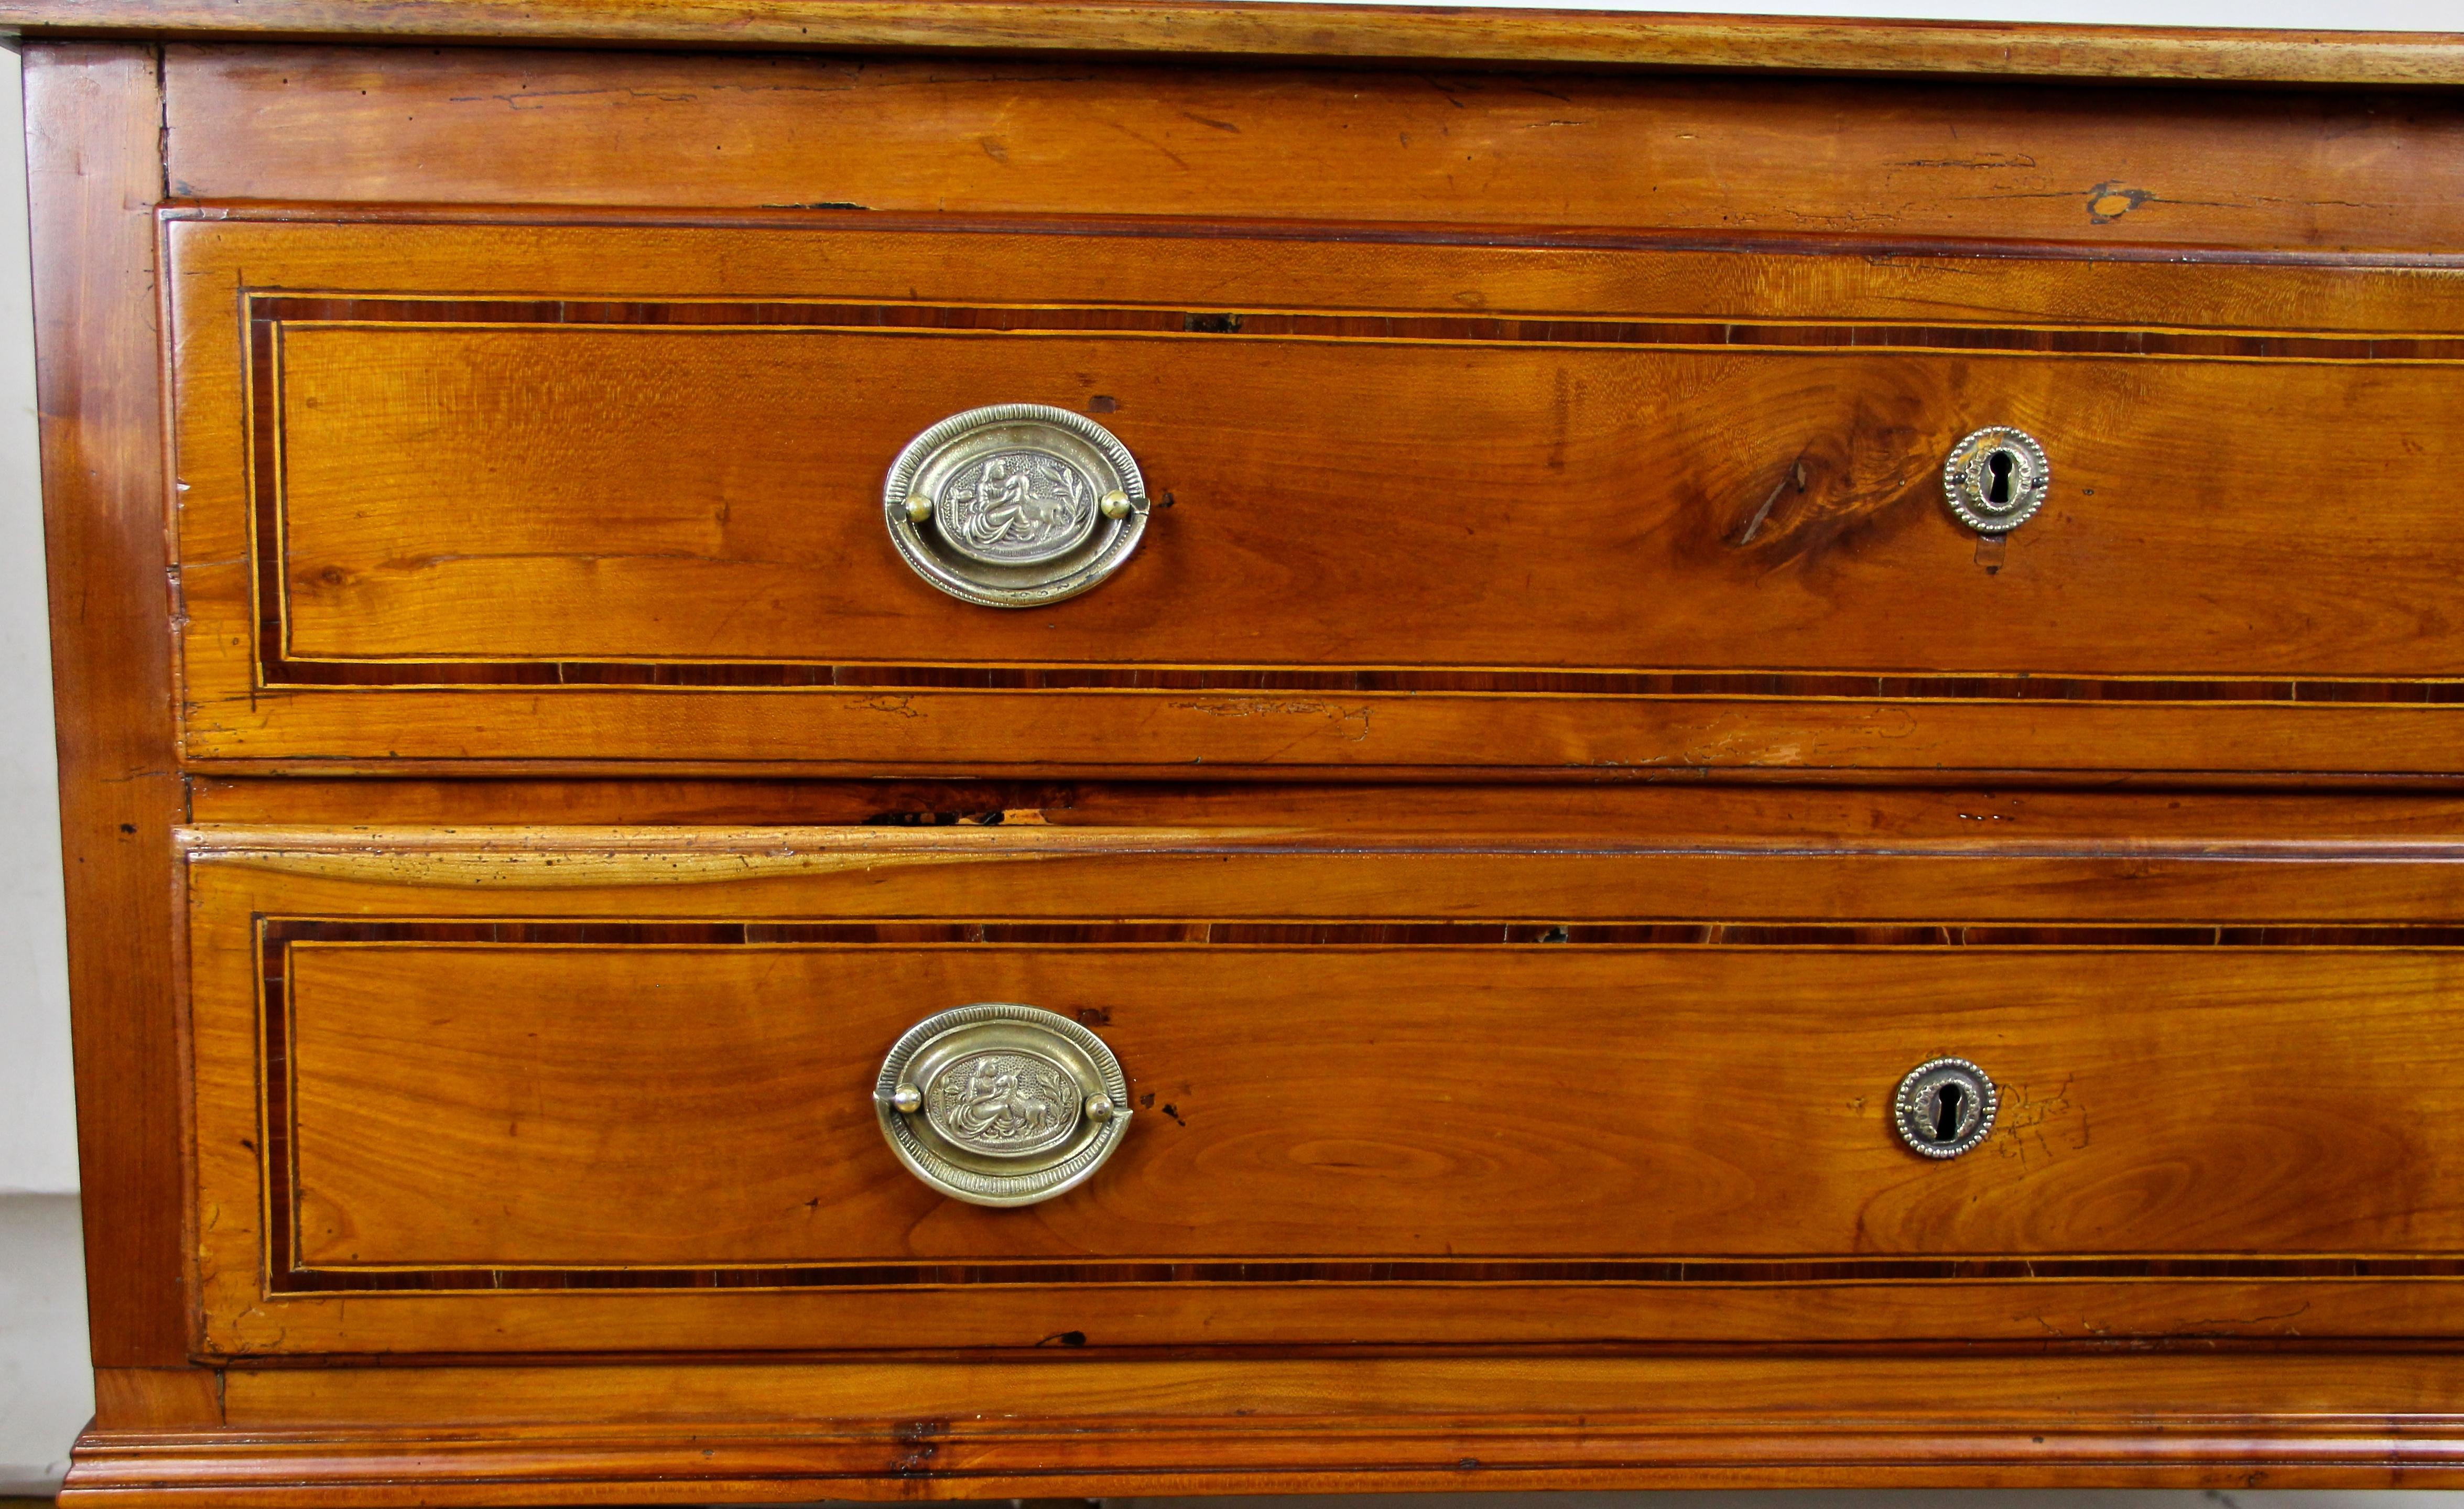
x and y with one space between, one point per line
94 174
520 1106
898 874
157 1398
932 1431
1195 28
449 1066
1889 161
715 467
1771 819
711 522
1517 1089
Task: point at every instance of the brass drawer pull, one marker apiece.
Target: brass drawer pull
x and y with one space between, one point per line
1996 479
1944 1108
1001 1104
1014 505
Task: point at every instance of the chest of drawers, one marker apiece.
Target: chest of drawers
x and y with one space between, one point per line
949 750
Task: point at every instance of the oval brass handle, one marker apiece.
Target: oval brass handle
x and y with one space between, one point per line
1001 1105
1996 479
1014 505
1945 1106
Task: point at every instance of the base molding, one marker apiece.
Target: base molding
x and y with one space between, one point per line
935 1459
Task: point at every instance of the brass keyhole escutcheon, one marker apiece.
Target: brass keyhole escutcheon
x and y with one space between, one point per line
1945 1106
1996 479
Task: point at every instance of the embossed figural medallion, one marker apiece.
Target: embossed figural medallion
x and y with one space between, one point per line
1014 505
1017 507
1004 1103
997 1103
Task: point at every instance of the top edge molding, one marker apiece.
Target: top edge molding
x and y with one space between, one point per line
1230 31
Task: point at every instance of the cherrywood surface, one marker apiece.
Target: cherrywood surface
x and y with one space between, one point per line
1799 1386
428 1130
714 494
157 1398
93 175
1083 1426
2287 824
2321 1315
913 731
545 1105
709 519
876 876
1333 218
1188 26
1908 160
2011 295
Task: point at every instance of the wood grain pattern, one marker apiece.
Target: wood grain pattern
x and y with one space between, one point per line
1189 27
898 1462
712 495
157 1398
911 732
1114 876
632 537
95 173
511 1106
1800 1387
2320 1316
393 1025
1902 160
1502 1134
489 253
1670 814
918 1431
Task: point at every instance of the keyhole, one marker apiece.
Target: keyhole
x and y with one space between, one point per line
1946 1112
1943 1108
1997 482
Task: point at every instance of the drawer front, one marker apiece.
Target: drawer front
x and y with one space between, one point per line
588 496
571 1105
622 1088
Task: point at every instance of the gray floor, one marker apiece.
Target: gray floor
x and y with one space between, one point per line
46 1394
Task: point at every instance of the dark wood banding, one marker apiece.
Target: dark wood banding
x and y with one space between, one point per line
287 1275
269 314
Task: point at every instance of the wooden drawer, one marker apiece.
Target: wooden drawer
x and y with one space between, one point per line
462 494
524 1088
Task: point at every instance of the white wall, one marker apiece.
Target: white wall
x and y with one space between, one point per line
37 1120
44 1388
45 1391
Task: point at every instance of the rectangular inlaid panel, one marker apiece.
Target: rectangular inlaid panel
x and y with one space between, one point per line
459 1082
645 494
578 1106
1673 521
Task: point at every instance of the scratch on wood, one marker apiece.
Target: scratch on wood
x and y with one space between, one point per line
1354 722
1980 161
1795 474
